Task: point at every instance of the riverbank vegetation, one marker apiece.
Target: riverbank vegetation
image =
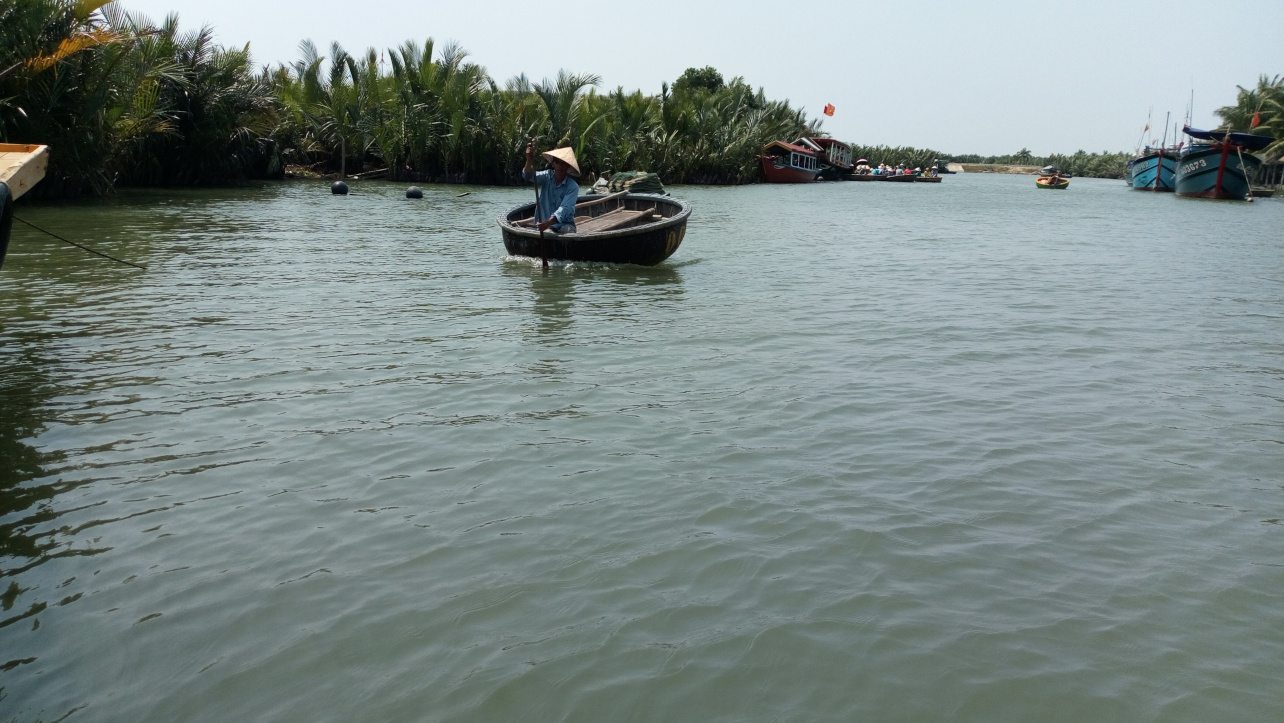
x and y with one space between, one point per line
123 100
1258 110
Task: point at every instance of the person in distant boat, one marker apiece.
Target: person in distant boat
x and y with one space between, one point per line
862 167
558 190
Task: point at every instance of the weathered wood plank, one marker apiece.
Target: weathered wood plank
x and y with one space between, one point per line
596 201
615 220
22 166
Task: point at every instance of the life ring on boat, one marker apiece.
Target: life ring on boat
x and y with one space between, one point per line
6 219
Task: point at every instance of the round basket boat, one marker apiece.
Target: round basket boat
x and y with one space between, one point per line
1047 182
620 228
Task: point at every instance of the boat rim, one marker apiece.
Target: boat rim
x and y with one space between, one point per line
684 210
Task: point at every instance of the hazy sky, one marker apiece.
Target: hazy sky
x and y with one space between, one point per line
958 77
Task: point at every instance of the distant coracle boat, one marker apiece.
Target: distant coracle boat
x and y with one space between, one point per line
1054 181
788 163
1154 169
620 228
21 167
1220 168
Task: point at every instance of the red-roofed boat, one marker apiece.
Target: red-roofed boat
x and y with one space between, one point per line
835 156
787 163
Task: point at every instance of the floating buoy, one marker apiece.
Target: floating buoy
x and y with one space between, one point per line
339 188
414 192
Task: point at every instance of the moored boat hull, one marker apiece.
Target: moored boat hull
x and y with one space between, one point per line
1154 172
645 245
1215 172
783 173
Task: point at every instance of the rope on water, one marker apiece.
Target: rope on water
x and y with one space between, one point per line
81 246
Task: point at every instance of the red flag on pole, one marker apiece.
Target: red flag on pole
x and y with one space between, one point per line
1257 120
829 109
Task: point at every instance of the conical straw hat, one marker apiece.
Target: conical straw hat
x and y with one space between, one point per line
564 154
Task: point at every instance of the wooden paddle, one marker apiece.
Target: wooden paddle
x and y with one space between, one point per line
543 246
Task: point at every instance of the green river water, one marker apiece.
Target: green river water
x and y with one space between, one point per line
857 452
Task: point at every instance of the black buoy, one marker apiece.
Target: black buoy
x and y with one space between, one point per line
339 188
414 192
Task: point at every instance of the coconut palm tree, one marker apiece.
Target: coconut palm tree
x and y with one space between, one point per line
1266 103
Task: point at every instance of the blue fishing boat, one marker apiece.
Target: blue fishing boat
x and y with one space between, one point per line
1154 169
1220 167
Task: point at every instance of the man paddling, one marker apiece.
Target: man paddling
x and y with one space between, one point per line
558 190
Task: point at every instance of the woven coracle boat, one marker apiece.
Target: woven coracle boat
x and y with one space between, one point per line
1052 182
619 228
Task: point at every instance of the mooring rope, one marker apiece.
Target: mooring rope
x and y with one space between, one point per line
1244 169
82 246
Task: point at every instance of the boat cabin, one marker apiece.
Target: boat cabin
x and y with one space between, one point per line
834 152
796 156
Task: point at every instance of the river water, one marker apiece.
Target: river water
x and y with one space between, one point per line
967 452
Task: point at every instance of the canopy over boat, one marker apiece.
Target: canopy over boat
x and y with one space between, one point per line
788 147
1247 141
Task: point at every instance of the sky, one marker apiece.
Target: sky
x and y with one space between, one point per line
958 77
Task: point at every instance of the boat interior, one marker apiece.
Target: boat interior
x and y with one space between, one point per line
611 212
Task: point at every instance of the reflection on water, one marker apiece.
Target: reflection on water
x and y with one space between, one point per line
596 291
985 453
26 537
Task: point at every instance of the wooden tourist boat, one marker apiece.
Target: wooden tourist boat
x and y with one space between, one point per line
1154 169
787 163
1221 168
927 179
860 177
835 156
619 228
904 178
1053 182
21 167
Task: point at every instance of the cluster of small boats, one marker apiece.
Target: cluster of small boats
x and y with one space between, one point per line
807 160
1213 164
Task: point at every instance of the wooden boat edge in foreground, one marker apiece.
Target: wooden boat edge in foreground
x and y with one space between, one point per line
645 245
22 166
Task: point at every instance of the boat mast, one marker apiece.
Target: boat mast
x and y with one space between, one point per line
1142 140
